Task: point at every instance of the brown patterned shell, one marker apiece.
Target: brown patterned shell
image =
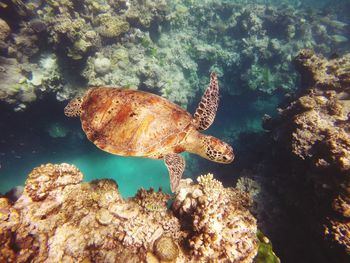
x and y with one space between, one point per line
133 123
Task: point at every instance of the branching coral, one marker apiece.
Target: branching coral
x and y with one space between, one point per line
216 217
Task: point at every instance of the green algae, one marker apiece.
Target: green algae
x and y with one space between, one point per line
265 250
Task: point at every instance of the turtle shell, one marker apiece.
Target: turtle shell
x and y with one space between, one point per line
133 123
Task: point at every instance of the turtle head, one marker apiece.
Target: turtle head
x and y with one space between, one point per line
73 109
217 150
208 147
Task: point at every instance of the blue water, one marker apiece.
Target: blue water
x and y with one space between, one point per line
130 173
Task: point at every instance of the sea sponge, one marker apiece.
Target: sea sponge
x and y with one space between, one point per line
166 249
4 30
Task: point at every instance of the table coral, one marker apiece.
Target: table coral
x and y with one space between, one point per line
60 218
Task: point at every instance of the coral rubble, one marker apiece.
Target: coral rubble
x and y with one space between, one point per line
60 218
316 128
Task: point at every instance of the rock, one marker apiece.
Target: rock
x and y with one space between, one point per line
316 129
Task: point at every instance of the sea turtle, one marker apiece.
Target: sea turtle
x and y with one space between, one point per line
136 123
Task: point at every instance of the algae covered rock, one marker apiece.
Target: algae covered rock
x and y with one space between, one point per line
60 218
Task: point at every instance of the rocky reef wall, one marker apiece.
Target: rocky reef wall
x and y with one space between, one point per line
315 127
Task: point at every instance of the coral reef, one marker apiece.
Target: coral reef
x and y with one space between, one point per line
60 218
145 12
169 47
213 214
315 127
22 83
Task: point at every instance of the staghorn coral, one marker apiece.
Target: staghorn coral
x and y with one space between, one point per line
315 127
60 218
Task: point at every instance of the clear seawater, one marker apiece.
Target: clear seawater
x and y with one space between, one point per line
25 141
43 134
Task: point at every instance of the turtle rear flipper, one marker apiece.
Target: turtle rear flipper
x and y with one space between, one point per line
176 166
206 110
73 109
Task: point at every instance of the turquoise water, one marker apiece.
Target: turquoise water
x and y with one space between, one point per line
130 173
22 150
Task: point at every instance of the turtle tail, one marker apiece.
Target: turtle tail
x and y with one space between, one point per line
73 109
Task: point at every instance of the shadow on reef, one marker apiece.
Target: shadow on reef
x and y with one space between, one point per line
312 141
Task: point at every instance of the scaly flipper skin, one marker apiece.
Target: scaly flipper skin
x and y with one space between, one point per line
73 109
206 110
176 166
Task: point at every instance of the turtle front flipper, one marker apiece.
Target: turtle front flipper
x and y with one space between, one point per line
206 110
73 109
176 166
